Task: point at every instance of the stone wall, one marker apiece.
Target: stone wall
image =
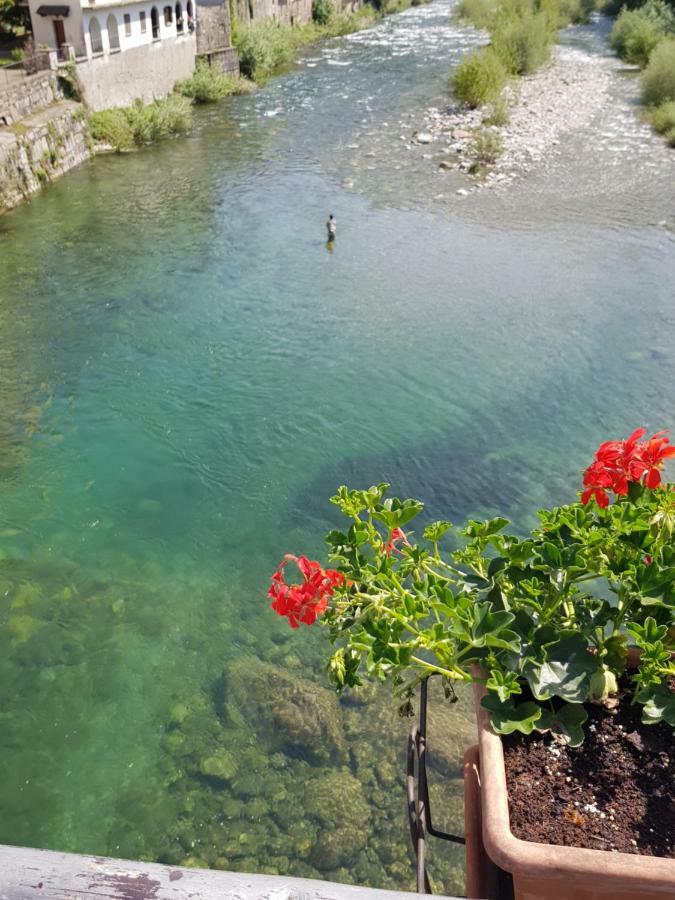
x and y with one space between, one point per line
214 36
28 94
285 11
39 149
291 11
148 72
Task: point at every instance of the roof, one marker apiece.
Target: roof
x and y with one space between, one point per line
53 10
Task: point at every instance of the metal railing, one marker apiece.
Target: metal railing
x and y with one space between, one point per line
419 808
14 72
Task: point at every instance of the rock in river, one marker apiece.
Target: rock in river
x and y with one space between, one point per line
286 713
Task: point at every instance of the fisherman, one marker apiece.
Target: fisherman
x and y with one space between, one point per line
331 226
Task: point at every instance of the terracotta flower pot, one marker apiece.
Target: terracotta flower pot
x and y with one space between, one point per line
542 871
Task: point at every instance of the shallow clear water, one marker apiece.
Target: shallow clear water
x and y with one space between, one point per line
187 373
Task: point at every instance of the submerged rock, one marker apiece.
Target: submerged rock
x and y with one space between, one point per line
222 766
285 712
337 802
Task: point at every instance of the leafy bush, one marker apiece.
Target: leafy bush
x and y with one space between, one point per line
322 11
264 48
548 617
634 36
486 145
479 78
111 126
208 84
658 79
524 44
662 120
141 123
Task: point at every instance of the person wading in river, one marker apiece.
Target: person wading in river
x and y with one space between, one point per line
331 227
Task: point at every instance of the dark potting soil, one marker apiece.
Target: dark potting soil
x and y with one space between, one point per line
615 792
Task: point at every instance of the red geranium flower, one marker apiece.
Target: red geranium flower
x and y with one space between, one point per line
306 601
654 452
617 463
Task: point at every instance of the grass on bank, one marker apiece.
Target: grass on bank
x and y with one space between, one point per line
645 36
637 32
522 33
209 84
141 123
267 48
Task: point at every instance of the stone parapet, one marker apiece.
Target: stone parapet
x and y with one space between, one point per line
27 94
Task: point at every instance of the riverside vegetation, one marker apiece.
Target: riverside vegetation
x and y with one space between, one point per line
265 49
645 36
522 33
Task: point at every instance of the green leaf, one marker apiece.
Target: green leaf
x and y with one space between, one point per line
659 705
395 513
565 672
436 530
504 684
509 717
551 555
565 722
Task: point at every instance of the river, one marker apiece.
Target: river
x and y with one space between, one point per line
186 374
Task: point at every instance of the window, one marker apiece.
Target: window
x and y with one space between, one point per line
179 18
154 18
168 15
127 24
95 35
113 33
141 17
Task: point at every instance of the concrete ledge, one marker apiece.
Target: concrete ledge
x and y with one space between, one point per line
27 874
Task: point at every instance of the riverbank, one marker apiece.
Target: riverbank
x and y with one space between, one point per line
543 107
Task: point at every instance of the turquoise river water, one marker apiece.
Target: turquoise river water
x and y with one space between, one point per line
187 373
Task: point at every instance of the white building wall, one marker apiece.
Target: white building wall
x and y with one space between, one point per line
138 37
43 26
146 71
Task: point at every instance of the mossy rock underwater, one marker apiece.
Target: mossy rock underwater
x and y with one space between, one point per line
285 712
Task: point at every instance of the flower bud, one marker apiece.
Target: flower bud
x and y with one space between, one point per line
603 684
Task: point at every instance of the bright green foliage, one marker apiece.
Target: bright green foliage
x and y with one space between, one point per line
524 43
209 84
141 123
533 612
322 11
479 78
658 79
662 120
111 126
637 32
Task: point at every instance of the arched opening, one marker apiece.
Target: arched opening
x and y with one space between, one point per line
190 16
168 15
154 19
95 36
179 18
113 33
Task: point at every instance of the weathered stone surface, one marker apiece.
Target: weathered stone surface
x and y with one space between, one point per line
285 712
39 149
